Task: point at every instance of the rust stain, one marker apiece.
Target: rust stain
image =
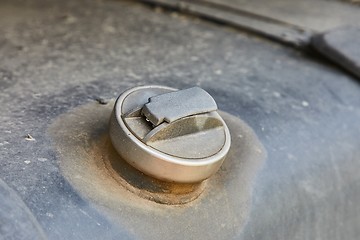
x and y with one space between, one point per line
215 209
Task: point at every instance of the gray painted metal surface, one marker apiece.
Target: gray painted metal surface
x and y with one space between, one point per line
307 26
262 25
342 46
319 15
56 56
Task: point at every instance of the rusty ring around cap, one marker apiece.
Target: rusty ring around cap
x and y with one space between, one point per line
158 164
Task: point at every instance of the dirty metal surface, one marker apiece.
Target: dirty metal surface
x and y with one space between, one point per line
16 220
236 17
90 163
294 23
290 22
342 46
57 56
316 15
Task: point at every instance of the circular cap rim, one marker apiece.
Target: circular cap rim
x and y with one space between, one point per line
207 162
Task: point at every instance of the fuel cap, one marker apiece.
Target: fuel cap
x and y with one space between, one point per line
169 134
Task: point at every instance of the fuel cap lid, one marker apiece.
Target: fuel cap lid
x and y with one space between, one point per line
169 134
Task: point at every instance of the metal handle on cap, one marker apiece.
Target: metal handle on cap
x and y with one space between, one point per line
169 107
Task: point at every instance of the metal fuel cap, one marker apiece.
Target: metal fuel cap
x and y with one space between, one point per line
169 134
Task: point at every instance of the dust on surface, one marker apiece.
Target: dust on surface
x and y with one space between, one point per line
219 213
143 185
